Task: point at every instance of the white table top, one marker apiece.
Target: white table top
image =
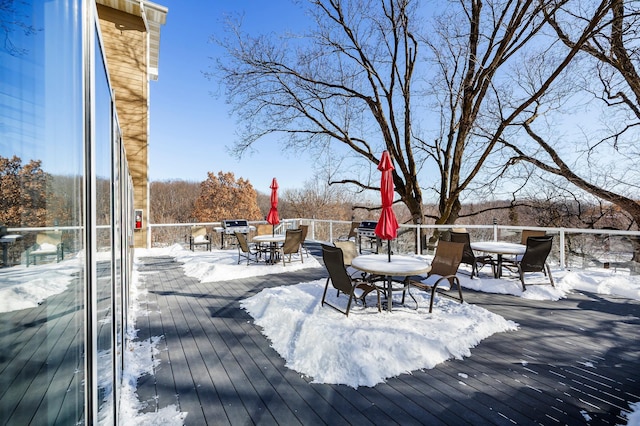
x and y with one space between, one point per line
400 265
499 247
277 238
10 238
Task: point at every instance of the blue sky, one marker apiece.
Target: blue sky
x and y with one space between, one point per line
189 128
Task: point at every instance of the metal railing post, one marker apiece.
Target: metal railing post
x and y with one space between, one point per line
563 263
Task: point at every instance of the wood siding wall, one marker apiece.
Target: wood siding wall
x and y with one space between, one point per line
125 43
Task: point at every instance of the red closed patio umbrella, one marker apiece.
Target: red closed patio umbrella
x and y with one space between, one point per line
387 227
272 217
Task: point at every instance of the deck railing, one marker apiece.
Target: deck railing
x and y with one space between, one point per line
573 247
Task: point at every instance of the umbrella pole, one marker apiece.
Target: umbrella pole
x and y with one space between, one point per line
389 249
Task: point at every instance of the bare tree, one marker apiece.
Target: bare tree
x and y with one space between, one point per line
607 165
476 48
616 51
352 80
319 201
349 81
173 201
14 19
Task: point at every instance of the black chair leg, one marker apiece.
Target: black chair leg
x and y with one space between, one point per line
549 274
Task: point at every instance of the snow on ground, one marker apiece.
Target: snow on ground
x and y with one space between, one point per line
367 347
320 342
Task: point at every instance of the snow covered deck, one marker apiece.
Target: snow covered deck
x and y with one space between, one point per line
572 361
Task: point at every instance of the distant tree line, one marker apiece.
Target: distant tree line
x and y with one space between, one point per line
222 197
31 197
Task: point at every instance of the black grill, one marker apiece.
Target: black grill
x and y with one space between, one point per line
367 229
237 225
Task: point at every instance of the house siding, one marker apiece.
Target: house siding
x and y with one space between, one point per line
125 43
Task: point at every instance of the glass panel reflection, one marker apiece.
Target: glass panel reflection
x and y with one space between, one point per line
103 166
42 274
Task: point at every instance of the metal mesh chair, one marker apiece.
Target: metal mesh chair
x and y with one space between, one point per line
468 256
356 289
442 276
264 229
526 233
349 252
534 259
47 244
292 244
305 231
199 237
245 250
353 232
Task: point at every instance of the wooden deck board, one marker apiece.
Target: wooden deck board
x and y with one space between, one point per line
570 358
179 382
205 349
545 361
255 365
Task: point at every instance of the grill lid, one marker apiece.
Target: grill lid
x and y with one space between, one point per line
367 225
235 223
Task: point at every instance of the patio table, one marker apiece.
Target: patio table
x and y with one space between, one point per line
273 240
379 264
499 248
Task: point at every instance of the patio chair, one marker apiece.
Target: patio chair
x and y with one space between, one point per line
305 230
199 237
468 256
526 233
291 245
534 259
47 244
247 250
353 232
349 252
442 275
264 229
357 289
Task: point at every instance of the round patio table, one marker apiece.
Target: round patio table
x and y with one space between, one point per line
499 248
273 240
378 264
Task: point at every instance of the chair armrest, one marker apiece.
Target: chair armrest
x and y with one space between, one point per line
425 286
